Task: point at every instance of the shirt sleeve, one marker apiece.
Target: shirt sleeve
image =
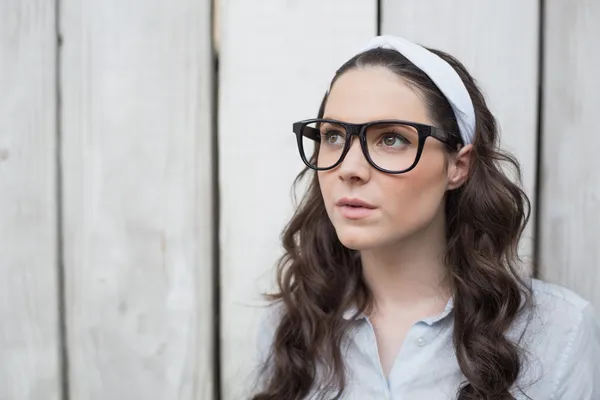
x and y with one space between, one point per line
579 368
264 340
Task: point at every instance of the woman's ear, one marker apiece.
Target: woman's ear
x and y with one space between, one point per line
458 168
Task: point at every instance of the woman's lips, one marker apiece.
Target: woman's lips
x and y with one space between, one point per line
354 208
352 212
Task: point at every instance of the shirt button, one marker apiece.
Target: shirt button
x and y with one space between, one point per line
420 342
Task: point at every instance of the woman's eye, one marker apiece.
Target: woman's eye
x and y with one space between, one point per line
394 140
332 137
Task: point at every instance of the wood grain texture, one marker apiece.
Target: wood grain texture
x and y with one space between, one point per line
276 61
498 43
137 198
29 337
570 168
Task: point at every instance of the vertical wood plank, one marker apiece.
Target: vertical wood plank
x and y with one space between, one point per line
276 61
137 198
570 169
29 336
498 43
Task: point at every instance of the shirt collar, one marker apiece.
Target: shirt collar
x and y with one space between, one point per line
352 313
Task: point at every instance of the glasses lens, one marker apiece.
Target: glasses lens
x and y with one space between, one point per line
392 146
323 143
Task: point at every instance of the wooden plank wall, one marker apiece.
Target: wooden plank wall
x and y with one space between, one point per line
504 62
570 167
276 62
133 136
29 334
137 198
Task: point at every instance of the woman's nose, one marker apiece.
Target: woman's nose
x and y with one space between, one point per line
355 166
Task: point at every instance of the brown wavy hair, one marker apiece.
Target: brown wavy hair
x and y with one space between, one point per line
319 279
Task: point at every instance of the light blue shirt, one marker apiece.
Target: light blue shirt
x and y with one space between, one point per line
561 358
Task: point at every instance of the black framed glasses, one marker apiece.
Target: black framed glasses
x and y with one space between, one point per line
391 146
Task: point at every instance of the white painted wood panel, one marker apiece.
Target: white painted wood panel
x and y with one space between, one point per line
498 42
29 334
137 198
276 61
570 168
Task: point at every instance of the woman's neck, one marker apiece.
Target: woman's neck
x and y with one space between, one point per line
410 276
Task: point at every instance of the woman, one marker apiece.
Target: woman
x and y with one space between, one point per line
400 277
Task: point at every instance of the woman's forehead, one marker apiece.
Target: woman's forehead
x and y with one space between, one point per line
374 93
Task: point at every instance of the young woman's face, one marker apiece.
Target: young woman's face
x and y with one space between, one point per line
402 205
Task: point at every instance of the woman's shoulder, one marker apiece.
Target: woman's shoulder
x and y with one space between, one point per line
559 313
559 302
270 316
563 336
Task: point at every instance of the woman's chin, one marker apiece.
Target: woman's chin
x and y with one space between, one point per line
358 239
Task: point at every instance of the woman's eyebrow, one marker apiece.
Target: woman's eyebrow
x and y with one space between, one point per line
393 124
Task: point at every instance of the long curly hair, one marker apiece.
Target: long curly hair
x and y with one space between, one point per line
318 278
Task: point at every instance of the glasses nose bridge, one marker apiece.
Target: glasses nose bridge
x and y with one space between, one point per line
353 130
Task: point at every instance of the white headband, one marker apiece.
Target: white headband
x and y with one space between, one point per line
441 73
